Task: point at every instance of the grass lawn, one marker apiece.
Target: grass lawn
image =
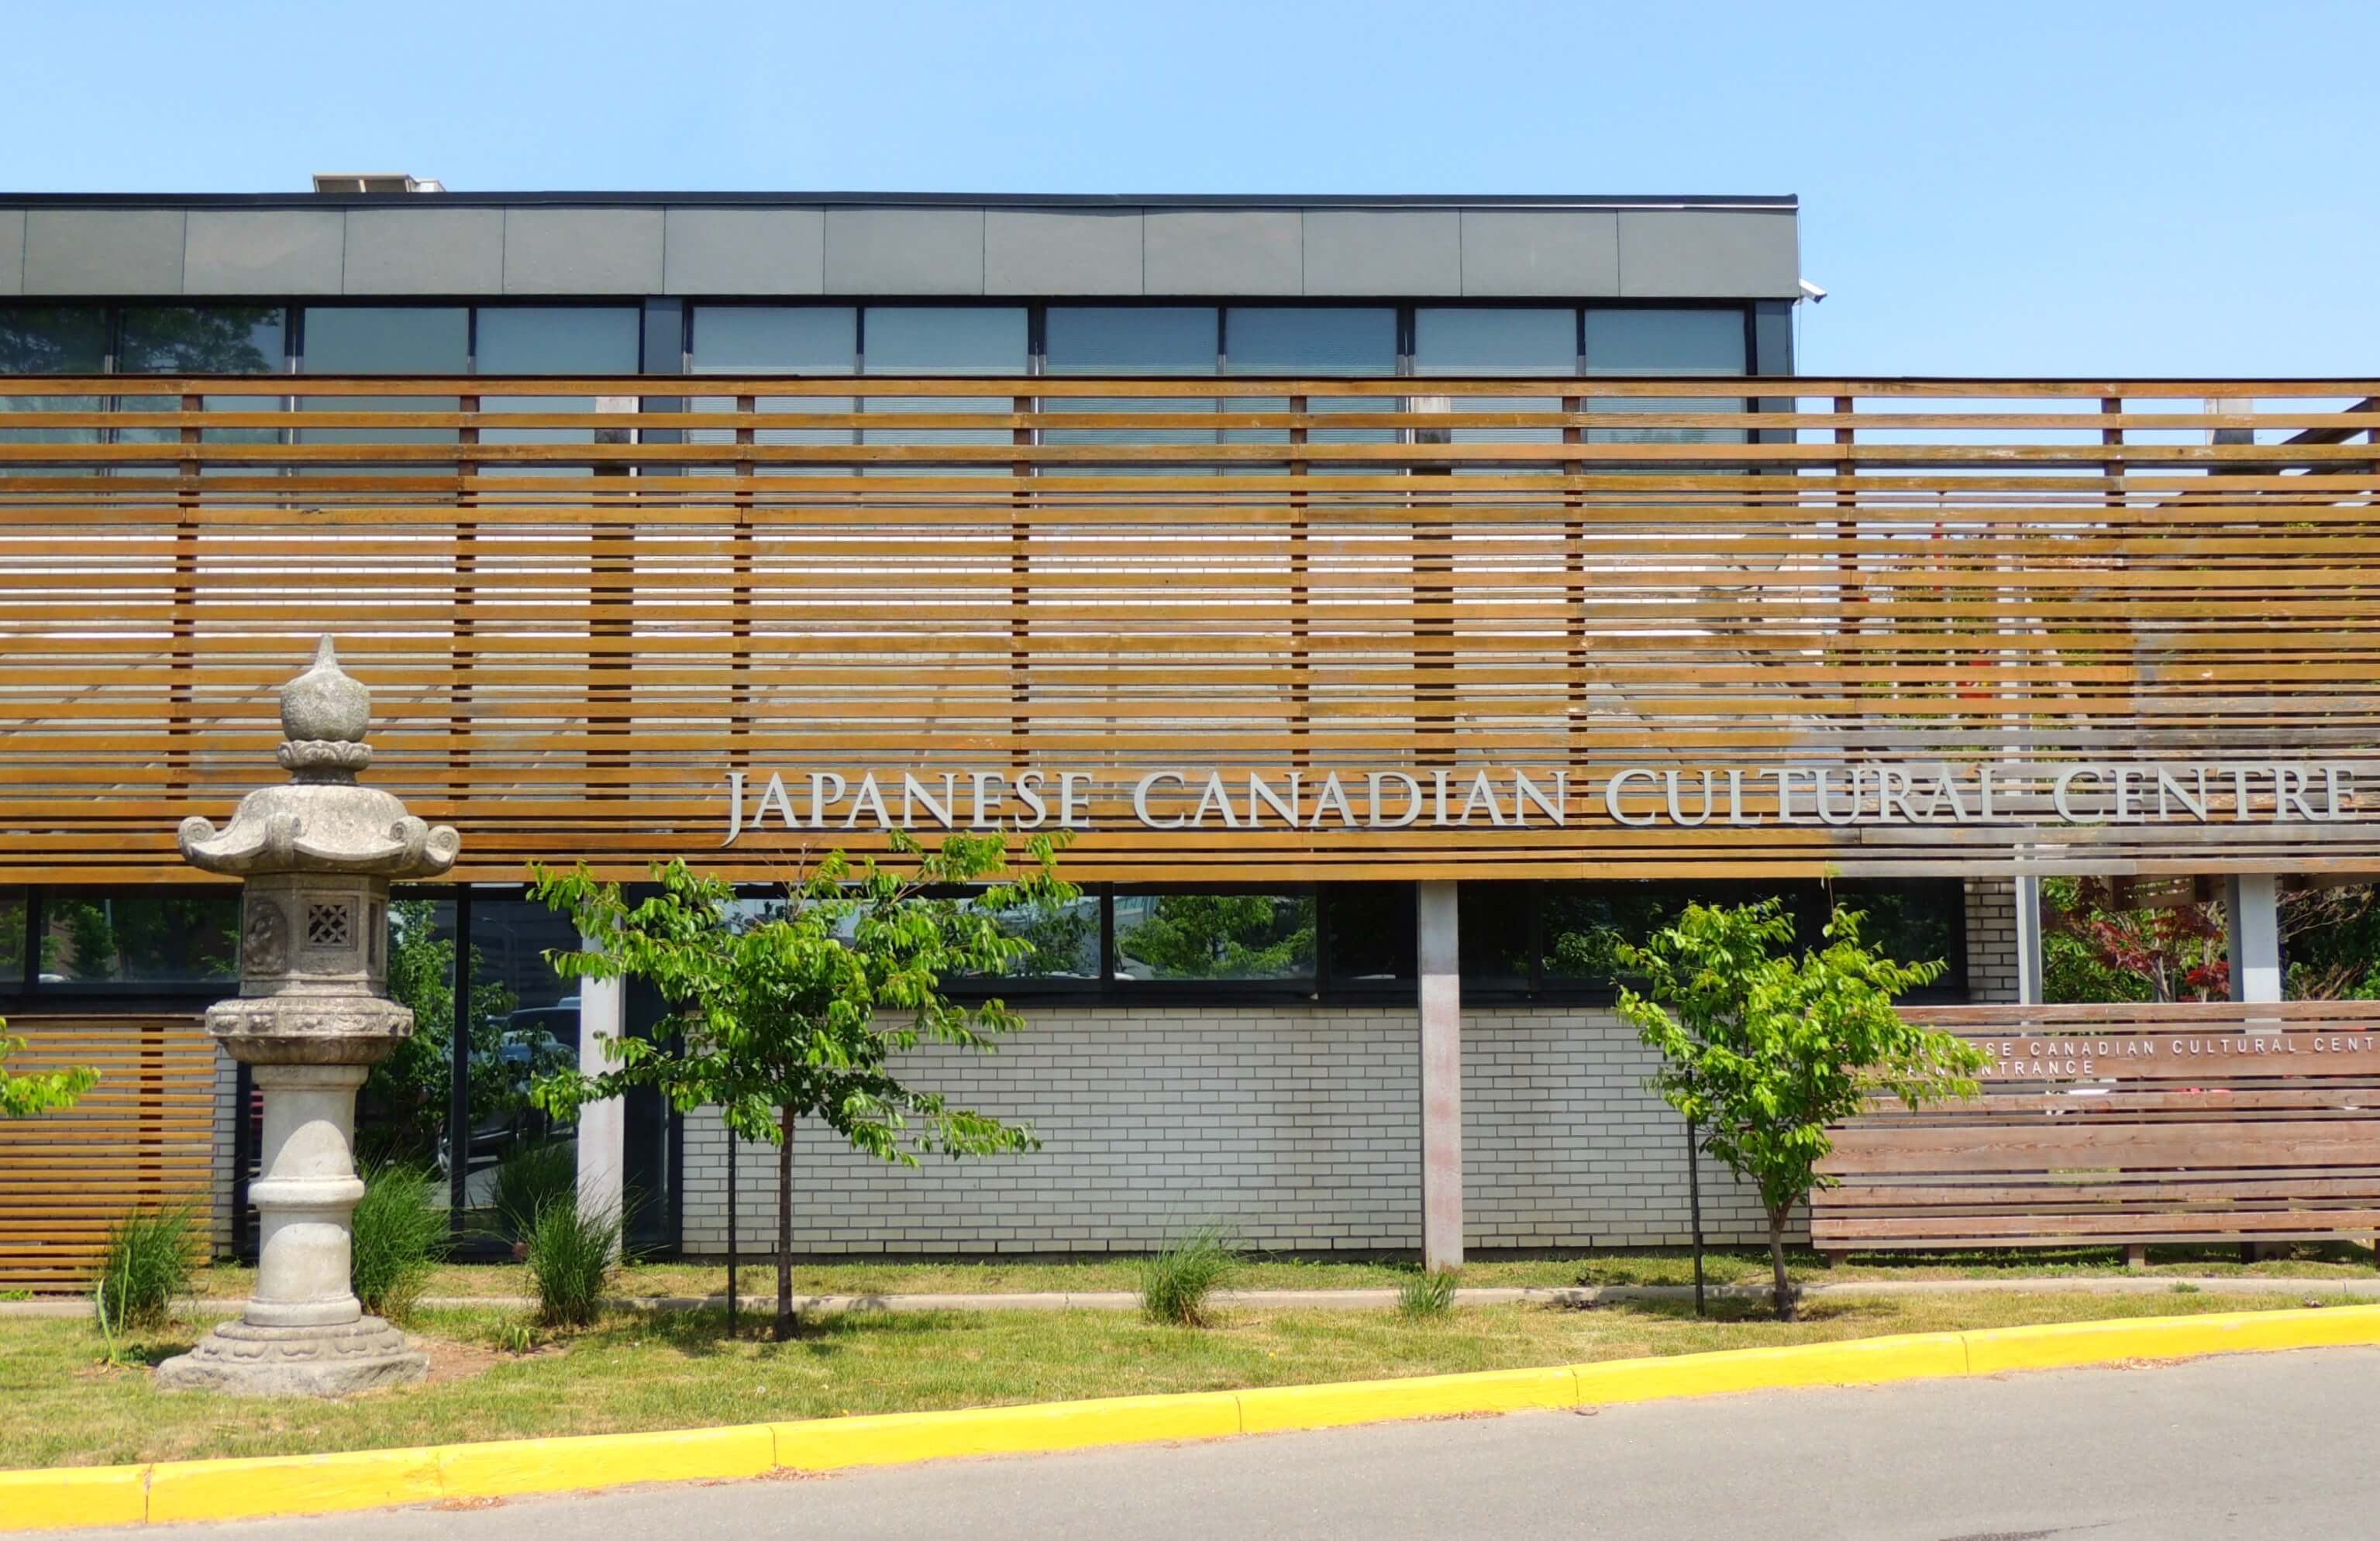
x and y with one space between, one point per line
60 1404
1668 1265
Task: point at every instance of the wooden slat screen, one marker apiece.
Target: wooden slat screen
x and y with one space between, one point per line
141 1138
574 629
2126 1124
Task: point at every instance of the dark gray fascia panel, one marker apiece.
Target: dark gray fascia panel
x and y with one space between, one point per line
923 201
898 245
12 251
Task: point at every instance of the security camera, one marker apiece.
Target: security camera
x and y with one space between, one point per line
1811 292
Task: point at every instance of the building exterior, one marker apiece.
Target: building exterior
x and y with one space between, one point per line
1350 711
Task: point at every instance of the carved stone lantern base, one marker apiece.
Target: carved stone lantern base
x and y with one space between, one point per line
360 1355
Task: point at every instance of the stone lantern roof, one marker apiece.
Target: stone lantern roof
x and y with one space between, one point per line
322 821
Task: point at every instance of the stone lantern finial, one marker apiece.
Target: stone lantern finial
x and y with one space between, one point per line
312 1016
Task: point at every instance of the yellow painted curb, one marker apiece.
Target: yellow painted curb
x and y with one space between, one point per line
2053 1345
892 1438
239 1489
496 1471
1369 1402
74 1497
257 1487
1859 1362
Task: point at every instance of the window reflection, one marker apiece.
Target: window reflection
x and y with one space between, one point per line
14 903
1319 340
943 339
203 339
1498 341
1062 940
384 339
144 936
777 339
51 339
1582 926
523 1026
1215 936
554 339
1666 340
402 1111
1127 340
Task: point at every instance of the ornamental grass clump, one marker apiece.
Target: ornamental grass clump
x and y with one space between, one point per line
147 1267
1177 1280
400 1236
572 1256
1426 1295
529 1177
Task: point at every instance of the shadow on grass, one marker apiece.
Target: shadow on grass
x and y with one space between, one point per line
827 1335
1738 1308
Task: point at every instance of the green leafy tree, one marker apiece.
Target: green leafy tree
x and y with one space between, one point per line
1763 1051
28 1095
1222 936
798 1009
2331 938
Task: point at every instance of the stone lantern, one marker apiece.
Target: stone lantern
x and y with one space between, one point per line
311 1018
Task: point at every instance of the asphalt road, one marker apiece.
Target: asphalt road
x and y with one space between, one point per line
2270 1446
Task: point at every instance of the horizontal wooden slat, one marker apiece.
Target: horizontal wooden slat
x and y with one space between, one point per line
141 1138
571 641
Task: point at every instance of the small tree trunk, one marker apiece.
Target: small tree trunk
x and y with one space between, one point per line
785 1225
1783 1293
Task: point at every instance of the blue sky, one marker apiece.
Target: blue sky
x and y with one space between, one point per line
2010 189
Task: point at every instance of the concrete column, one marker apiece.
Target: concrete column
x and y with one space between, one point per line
2028 942
2251 923
602 1127
1441 1077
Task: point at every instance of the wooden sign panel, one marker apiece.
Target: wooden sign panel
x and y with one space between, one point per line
2126 1123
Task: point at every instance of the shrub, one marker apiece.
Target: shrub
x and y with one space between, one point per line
399 1237
572 1258
1428 1294
529 1177
1176 1281
146 1268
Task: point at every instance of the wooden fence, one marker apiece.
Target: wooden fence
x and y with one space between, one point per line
141 1138
582 602
2126 1125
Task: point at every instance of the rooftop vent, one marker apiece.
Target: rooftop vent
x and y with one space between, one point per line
374 182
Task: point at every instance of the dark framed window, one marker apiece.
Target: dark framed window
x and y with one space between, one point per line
1369 945
52 339
1232 937
1561 940
120 942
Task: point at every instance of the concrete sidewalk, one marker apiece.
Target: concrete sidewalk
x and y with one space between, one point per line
2316 1291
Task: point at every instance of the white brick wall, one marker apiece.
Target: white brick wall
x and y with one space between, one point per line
1562 1144
1296 1126
1991 939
